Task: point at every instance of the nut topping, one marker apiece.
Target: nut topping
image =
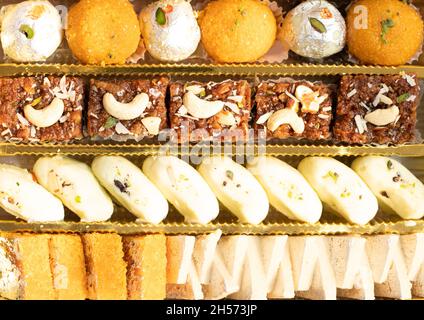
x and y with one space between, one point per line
47 116
382 117
125 111
286 116
200 108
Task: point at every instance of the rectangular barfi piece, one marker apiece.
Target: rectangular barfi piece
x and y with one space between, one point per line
105 265
127 109
377 109
146 271
23 98
201 111
68 267
34 261
288 108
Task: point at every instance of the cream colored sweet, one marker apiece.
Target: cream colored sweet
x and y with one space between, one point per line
169 29
236 188
73 182
30 30
184 188
22 197
396 188
287 189
130 188
340 189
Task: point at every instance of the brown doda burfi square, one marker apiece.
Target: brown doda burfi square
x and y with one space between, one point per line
310 102
231 122
39 93
101 124
377 109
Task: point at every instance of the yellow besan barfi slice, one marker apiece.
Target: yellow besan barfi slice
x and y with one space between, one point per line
34 260
67 265
146 265
106 268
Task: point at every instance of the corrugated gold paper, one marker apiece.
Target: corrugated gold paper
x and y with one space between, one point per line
377 226
269 69
63 63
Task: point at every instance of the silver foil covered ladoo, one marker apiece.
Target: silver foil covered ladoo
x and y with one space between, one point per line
314 29
170 30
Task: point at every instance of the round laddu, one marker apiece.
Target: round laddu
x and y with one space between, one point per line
237 30
314 29
384 32
30 31
175 35
103 31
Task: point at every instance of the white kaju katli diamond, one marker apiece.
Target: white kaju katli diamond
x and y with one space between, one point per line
351 267
182 278
312 272
253 285
227 268
221 282
277 266
388 266
413 250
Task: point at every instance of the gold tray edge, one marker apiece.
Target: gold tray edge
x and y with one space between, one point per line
398 227
13 69
13 149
